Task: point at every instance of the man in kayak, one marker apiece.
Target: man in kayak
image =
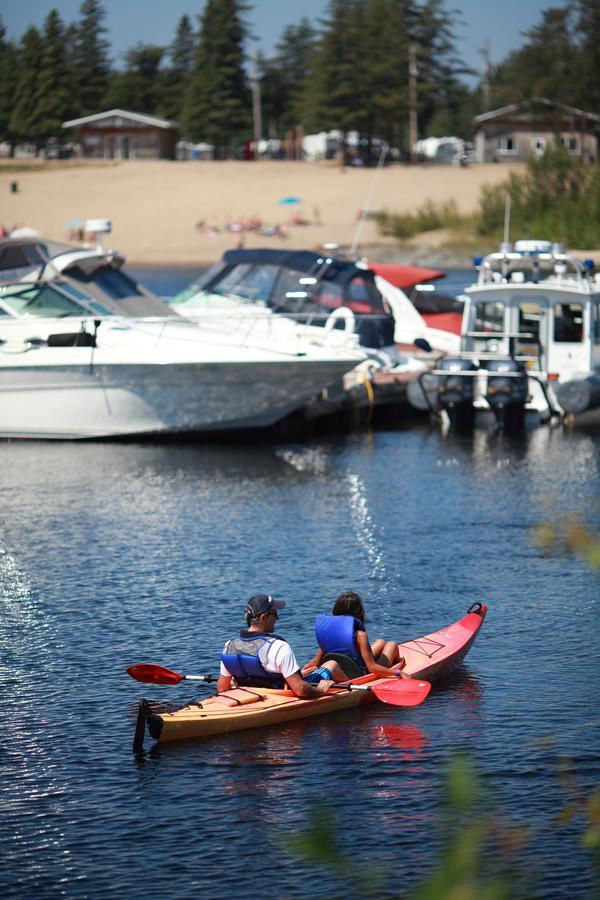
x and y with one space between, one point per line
343 636
260 658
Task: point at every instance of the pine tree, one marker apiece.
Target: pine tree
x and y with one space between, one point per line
138 88
54 87
8 84
587 85
90 59
23 123
178 75
443 101
335 84
544 66
285 75
384 100
217 103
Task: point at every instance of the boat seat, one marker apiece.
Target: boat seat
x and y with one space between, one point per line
346 663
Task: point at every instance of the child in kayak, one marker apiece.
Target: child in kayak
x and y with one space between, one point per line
342 637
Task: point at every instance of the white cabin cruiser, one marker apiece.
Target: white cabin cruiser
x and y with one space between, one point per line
70 367
530 343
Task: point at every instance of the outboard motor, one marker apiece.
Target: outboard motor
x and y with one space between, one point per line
507 391
455 391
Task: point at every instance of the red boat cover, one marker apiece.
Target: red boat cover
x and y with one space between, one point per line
450 321
405 276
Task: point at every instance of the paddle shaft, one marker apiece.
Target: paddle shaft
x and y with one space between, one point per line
398 692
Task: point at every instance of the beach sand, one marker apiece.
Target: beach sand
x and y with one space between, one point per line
155 206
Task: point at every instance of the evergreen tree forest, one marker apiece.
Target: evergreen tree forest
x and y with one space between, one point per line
348 71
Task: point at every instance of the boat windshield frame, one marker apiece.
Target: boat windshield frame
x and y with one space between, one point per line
81 304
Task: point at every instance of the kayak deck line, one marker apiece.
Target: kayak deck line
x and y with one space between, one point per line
429 658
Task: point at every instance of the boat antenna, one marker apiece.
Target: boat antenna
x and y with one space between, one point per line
364 213
505 246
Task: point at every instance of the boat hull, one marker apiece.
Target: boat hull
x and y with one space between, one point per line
430 657
95 399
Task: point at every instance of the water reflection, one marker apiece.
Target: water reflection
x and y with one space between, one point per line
114 554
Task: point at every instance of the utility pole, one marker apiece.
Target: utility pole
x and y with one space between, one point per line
412 101
256 105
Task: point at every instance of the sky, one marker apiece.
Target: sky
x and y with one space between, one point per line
154 21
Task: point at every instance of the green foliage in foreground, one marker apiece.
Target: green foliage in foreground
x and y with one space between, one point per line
572 536
428 217
471 826
556 199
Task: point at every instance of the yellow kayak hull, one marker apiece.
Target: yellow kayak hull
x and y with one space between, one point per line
269 707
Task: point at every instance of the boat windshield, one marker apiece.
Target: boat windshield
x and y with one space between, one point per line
47 301
112 281
248 281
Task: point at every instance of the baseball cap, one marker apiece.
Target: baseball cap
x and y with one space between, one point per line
262 603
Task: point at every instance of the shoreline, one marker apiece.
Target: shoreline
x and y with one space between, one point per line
167 213
180 213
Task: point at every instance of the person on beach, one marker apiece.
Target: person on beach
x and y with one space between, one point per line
342 637
260 658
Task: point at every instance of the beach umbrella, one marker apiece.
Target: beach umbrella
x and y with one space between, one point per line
289 201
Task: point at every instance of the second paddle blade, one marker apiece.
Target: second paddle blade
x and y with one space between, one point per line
151 674
402 692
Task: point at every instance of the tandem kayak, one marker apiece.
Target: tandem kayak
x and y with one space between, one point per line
430 657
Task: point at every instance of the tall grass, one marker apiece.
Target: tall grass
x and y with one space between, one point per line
556 199
428 217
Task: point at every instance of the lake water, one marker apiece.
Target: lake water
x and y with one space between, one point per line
112 554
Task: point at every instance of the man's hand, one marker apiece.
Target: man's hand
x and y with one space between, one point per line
323 686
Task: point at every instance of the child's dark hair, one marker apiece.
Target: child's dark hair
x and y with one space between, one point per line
349 604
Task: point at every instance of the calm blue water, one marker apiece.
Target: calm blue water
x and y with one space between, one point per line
112 554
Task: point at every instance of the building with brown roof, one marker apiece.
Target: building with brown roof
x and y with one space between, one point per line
524 130
118 134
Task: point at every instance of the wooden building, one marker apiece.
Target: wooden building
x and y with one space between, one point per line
524 130
118 134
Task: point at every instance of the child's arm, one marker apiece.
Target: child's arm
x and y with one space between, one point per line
315 661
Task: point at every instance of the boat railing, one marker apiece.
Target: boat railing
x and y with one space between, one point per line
500 266
511 336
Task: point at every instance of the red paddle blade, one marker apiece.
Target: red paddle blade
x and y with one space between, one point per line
401 691
150 674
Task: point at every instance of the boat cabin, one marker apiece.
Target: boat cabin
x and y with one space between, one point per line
536 304
306 285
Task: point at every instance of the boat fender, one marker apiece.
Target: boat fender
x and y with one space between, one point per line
341 314
335 634
241 660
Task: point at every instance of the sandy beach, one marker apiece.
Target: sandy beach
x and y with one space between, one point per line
177 212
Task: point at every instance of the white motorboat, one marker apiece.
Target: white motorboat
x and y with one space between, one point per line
530 343
70 367
291 289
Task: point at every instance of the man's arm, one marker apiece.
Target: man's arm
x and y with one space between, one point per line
223 683
305 690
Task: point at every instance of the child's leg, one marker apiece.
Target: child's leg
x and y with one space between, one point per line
389 654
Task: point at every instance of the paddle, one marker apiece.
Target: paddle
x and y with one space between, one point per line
396 691
151 674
